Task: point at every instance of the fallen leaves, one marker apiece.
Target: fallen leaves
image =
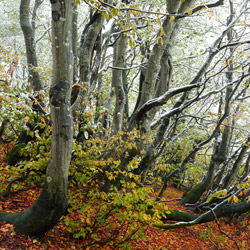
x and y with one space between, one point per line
203 236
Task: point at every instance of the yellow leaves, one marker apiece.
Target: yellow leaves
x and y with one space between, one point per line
111 177
131 185
134 191
161 40
248 199
172 18
233 198
243 185
162 32
224 192
130 175
146 217
242 106
37 134
217 194
125 28
131 43
243 244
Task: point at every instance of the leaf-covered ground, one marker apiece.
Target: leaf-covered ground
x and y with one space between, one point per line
205 236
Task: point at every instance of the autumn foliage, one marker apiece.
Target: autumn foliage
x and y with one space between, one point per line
69 233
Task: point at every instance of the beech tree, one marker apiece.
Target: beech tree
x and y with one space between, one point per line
149 107
28 27
52 202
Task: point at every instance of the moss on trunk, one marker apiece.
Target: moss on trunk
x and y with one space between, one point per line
13 156
40 217
193 195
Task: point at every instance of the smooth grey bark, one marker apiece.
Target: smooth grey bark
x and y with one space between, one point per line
101 116
74 41
154 62
151 105
222 145
52 203
246 171
28 28
219 156
166 70
228 130
188 219
232 173
149 88
198 189
227 133
120 49
88 40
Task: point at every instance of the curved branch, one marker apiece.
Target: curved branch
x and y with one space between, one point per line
159 101
188 219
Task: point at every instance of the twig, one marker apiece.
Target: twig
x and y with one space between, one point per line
176 199
212 242
222 231
8 191
102 242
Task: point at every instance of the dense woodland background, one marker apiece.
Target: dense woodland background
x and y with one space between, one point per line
106 104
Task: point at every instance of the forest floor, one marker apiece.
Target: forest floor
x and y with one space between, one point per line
211 235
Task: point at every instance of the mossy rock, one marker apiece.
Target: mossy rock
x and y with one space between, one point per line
13 156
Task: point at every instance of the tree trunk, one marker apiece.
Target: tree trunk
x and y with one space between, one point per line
4 126
74 41
28 29
88 39
169 27
188 219
228 178
120 49
52 203
221 147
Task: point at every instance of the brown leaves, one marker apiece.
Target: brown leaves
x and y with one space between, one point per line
203 236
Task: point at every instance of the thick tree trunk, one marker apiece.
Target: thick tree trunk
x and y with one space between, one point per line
194 195
52 202
28 29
